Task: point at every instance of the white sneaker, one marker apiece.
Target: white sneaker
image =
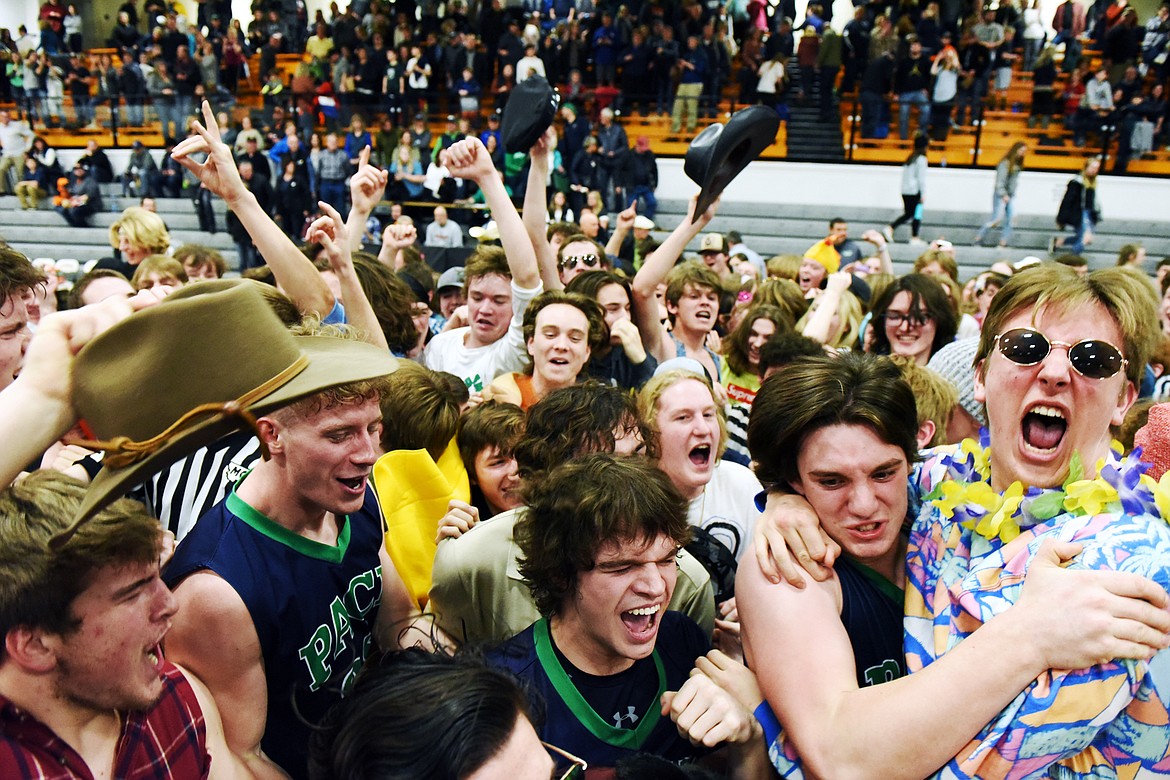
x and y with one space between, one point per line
888 232
916 241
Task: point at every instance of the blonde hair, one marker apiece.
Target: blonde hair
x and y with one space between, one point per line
142 228
650 396
934 397
163 265
850 313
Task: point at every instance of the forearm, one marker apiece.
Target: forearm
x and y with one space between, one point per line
749 760
30 421
535 213
819 324
614 245
355 226
513 234
358 311
662 259
294 273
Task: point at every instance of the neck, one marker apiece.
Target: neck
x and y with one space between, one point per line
690 338
543 387
91 732
268 492
565 632
891 565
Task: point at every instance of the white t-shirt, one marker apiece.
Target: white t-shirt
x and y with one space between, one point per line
478 367
526 64
726 508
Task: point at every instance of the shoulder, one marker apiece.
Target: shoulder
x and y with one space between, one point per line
468 550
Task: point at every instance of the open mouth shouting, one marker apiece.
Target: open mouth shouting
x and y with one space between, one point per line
642 622
700 456
354 485
1042 428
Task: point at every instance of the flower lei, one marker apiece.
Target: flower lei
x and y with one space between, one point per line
1121 485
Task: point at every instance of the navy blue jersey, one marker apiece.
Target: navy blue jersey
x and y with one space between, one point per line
605 719
871 611
313 607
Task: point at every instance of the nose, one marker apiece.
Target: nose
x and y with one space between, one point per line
367 447
862 500
1055 367
166 603
650 583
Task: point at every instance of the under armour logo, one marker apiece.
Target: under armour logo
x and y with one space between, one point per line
630 715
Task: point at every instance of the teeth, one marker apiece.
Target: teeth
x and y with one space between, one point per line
153 656
867 527
646 610
1047 411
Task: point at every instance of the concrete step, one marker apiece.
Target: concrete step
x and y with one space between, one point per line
185 220
86 252
65 235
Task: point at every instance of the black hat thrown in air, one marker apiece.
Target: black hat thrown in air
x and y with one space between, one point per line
530 111
720 152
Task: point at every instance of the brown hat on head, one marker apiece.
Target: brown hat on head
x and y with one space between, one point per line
171 379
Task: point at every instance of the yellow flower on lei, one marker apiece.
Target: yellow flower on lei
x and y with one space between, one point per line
956 494
1091 496
1001 522
981 457
1162 495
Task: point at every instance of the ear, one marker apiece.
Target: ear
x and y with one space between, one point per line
32 649
979 390
269 433
1129 394
528 344
797 487
925 434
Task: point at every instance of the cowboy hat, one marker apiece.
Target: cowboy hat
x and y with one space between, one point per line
719 153
530 111
178 376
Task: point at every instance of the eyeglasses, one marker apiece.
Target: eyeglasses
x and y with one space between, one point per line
1090 358
913 319
574 772
589 261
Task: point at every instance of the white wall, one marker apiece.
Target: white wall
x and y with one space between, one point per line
948 189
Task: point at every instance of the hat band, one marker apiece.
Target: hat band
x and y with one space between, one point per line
122 451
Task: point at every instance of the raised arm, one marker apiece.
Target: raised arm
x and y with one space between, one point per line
625 222
910 727
330 232
653 272
366 188
294 273
536 211
883 250
468 159
819 325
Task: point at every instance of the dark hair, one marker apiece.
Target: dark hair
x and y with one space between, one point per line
926 296
782 348
414 715
921 141
579 506
74 301
40 583
598 334
491 424
575 420
736 349
17 274
485 261
852 388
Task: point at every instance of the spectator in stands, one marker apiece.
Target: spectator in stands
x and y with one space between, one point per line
912 83
260 187
1079 209
84 198
16 138
876 83
333 168
694 65
614 146
945 70
974 68
587 173
1069 23
163 96
468 90
78 81
575 132
34 184
140 171
97 163
529 65
913 317
913 191
292 200
666 54
636 61
1155 42
1007 174
443 232
1096 106
1123 44
642 176
408 176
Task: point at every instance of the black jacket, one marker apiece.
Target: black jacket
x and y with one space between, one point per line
1078 197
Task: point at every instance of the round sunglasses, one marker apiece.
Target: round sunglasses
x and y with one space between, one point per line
1090 358
571 262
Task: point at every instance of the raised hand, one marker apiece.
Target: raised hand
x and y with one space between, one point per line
367 185
468 159
218 172
329 231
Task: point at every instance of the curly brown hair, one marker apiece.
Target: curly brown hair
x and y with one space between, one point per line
584 504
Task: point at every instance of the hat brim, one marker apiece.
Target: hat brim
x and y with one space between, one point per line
721 152
332 361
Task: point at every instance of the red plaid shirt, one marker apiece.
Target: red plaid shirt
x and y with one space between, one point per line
167 741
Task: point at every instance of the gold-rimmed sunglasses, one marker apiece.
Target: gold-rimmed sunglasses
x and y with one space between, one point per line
577 767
